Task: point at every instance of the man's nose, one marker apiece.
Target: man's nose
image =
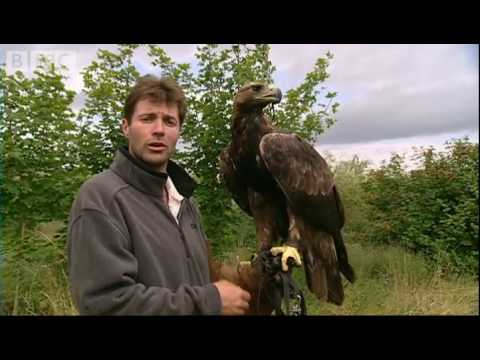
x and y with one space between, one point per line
158 127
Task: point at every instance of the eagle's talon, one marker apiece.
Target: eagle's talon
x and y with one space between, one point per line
287 253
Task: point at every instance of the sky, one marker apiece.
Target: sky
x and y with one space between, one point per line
393 97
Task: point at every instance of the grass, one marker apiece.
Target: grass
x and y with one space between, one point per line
390 281
42 290
33 273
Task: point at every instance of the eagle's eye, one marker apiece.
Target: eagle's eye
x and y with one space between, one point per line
256 87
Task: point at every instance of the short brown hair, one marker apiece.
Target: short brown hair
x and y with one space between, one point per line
158 90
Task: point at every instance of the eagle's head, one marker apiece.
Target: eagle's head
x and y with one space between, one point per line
255 96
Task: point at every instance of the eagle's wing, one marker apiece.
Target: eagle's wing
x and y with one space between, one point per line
230 178
300 171
308 184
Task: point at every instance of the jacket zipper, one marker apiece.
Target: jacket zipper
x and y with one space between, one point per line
182 235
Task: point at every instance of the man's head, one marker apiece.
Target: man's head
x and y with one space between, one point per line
154 112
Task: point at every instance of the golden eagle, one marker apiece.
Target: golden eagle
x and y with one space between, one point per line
287 187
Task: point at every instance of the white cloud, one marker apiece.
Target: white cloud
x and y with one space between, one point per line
381 150
392 91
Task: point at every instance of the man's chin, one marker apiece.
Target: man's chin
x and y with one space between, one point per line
155 161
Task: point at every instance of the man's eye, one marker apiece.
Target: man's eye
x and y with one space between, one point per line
171 122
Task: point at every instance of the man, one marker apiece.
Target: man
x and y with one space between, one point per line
135 241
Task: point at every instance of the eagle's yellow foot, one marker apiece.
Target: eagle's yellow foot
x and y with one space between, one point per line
287 252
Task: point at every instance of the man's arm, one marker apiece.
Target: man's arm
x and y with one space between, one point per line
103 272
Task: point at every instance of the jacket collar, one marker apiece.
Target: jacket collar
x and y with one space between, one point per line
142 177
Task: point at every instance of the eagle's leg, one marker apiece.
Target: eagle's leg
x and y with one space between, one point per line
290 249
263 213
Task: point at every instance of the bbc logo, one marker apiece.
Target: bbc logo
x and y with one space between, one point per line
28 61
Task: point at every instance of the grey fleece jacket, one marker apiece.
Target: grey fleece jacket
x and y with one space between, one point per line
127 254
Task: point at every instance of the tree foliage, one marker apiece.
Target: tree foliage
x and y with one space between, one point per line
39 148
432 210
107 82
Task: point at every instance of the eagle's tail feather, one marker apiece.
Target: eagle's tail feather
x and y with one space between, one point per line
324 280
343 264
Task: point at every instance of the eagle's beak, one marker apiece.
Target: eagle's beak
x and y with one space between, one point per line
278 95
274 93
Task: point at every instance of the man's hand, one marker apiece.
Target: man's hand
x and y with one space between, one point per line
234 299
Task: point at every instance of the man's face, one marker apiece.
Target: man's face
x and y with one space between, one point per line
153 133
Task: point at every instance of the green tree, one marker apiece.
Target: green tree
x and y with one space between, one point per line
107 82
432 210
39 149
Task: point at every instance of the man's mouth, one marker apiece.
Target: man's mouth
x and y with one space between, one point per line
157 146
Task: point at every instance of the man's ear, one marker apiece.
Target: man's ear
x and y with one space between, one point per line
125 128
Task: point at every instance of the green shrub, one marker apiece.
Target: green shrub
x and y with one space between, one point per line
432 210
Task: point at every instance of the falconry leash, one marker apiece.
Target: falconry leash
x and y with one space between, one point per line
281 287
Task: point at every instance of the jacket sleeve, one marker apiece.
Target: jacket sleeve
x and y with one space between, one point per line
103 270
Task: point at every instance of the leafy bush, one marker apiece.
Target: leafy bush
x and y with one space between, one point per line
432 210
